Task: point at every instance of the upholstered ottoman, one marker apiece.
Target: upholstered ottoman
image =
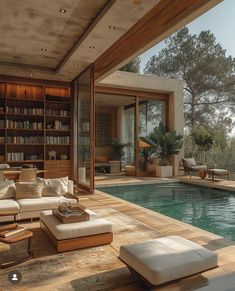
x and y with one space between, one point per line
71 236
166 259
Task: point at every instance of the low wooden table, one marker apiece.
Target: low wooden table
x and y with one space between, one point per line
217 172
25 234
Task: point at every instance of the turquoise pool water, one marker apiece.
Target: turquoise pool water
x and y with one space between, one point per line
209 209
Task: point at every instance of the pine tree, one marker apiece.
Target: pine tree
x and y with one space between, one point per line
207 73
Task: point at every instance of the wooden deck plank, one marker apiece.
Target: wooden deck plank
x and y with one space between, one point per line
164 225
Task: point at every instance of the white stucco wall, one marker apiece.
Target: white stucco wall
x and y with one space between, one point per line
153 83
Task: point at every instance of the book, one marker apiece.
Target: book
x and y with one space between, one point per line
82 216
8 227
9 233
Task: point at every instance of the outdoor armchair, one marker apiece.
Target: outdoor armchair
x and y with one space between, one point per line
190 166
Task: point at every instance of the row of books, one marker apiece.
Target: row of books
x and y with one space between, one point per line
58 125
57 139
22 110
84 140
24 124
25 139
14 157
20 156
54 112
10 230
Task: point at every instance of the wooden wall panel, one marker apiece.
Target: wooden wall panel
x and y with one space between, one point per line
55 91
22 91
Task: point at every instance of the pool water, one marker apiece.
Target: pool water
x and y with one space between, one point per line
206 208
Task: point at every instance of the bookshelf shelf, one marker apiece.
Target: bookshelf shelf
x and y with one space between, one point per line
58 144
26 115
24 129
58 102
60 130
36 105
57 116
25 99
26 161
25 144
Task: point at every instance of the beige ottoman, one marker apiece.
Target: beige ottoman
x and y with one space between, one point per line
166 259
71 236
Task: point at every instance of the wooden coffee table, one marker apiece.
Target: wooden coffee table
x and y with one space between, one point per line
25 234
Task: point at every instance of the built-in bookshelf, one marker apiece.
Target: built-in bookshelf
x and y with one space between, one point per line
35 120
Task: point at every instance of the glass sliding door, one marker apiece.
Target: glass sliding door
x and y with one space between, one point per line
129 134
84 130
150 113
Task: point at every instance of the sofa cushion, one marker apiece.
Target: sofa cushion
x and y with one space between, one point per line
30 190
42 203
54 187
8 205
73 230
190 161
167 258
7 189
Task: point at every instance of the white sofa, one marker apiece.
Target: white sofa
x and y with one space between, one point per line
31 208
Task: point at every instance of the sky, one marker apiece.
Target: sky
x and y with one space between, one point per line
220 20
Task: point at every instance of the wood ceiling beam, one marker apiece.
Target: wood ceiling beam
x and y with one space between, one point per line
164 16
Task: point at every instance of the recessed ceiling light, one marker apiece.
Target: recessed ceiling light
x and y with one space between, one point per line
112 26
62 10
43 49
91 47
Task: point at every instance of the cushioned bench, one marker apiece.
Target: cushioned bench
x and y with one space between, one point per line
71 236
166 259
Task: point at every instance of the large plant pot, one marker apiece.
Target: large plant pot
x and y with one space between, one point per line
164 171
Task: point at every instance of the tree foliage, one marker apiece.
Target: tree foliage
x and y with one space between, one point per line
133 66
167 142
207 73
202 138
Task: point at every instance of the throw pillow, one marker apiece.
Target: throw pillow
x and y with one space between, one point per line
54 187
28 190
190 161
7 189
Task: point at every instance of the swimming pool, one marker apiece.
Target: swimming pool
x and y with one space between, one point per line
206 208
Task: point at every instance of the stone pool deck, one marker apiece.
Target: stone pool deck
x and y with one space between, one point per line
105 180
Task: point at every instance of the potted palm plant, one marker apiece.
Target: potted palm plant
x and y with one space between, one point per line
167 143
119 152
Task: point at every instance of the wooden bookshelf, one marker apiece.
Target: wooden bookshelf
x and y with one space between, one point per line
36 119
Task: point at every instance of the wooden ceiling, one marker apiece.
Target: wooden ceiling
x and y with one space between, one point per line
161 20
39 41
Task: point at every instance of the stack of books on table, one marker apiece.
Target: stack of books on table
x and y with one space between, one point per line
10 230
